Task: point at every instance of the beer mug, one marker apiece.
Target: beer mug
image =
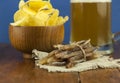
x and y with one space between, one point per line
91 19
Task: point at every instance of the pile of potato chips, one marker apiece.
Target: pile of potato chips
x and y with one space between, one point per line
37 13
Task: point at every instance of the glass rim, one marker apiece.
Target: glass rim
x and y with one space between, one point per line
89 1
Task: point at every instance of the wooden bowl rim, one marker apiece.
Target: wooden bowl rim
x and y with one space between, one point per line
35 26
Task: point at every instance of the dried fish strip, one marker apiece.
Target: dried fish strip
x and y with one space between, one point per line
83 51
58 63
76 53
70 54
64 47
69 65
44 60
61 54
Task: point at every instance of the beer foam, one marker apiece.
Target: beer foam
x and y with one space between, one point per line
89 1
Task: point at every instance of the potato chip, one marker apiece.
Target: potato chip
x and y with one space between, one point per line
29 11
38 22
36 5
66 18
43 17
35 0
19 15
61 20
21 4
45 7
28 21
23 11
37 13
53 18
22 22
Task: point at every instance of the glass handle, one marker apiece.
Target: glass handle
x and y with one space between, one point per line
116 37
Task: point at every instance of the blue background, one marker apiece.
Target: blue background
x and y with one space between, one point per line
8 7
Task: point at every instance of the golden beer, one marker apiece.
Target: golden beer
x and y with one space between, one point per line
91 19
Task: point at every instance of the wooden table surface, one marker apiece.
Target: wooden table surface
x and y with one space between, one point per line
15 69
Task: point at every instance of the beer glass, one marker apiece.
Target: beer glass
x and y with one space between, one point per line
91 19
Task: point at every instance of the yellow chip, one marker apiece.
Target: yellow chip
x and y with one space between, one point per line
23 11
35 0
53 18
43 16
36 5
61 20
66 18
21 22
28 10
37 13
21 4
19 15
38 22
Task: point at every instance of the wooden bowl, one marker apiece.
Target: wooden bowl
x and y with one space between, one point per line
27 38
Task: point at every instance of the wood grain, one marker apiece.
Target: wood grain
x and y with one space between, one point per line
27 38
15 69
100 76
